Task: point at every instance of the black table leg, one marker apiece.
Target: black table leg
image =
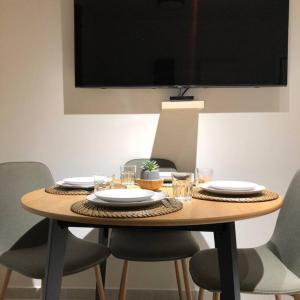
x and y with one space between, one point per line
225 242
55 261
102 239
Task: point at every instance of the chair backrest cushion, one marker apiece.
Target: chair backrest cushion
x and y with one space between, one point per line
285 242
17 179
165 165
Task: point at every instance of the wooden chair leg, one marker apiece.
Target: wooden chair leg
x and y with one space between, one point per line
216 296
177 271
201 294
99 283
5 283
278 297
296 297
122 292
188 292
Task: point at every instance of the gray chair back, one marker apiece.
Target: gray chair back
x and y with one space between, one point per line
17 179
285 242
165 165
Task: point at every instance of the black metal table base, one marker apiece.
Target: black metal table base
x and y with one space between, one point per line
225 242
55 261
102 239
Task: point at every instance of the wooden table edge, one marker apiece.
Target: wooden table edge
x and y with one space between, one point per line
151 221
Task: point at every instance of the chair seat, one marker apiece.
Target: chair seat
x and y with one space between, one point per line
260 272
152 245
80 255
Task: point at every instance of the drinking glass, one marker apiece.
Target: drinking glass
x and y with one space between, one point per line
128 175
182 186
203 175
100 184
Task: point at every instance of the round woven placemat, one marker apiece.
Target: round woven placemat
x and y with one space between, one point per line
57 190
93 210
260 197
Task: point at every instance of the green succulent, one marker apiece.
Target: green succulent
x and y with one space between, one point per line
150 165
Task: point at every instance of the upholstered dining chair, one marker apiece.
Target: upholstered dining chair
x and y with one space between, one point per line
23 236
273 268
154 245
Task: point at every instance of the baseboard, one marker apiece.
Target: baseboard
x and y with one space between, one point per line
86 294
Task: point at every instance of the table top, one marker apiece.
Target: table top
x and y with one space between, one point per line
195 212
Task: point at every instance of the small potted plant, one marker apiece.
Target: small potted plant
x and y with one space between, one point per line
150 178
150 170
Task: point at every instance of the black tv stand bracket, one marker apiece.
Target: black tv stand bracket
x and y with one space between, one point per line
182 102
181 95
182 98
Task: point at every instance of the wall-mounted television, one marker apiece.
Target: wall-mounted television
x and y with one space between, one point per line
188 43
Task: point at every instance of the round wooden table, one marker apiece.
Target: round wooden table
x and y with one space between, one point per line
196 215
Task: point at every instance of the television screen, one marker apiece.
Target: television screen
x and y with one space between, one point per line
163 43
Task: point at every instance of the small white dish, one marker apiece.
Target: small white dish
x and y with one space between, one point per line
155 198
232 185
125 195
70 186
208 188
166 176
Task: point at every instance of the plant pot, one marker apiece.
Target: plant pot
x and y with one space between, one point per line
150 175
153 185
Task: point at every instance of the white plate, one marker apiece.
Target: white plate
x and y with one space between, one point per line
206 187
70 186
157 197
231 185
125 195
166 175
79 180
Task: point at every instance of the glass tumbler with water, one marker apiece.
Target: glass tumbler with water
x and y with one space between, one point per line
128 175
203 175
101 183
182 186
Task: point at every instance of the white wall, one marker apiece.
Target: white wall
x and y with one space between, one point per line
260 144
